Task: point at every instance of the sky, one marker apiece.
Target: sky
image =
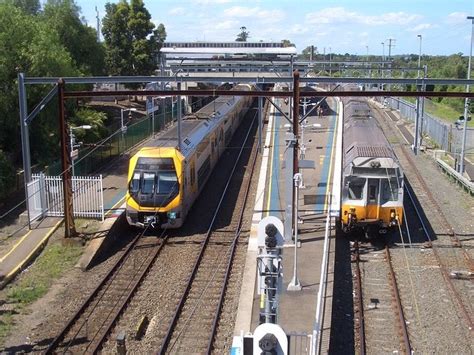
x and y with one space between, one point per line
350 26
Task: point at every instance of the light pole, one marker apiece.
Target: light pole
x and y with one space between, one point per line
122 110
466 101
72 141
419 109
419 56
383 59
330 71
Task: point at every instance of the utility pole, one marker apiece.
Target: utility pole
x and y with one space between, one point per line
383 60
390 45
70 228
296 120
98 24
466 101
418 133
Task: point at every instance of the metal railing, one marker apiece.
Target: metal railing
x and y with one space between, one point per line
465 183
48 200
445 135
320 303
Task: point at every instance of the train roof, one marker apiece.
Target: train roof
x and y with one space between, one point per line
363 137
196 126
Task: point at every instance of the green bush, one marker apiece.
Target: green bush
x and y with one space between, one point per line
7 175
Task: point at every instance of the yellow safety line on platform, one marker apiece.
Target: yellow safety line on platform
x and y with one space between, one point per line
114 207
15 246
22 263
269 195
331 159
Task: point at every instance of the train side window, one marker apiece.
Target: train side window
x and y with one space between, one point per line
356 188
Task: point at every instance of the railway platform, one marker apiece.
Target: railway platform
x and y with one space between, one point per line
297 309
29 243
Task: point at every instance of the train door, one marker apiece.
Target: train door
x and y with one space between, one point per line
373 198
192 179
214 152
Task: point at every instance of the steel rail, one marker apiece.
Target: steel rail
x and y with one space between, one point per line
360 303
94 293
444 272
450 230
89 299
220 92
231 258
204 245
126 300
398 302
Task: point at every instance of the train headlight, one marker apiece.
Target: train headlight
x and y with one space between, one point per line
171 215
392 214
352 210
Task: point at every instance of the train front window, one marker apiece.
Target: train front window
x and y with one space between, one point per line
148 183
167 182
356 188
390 189
373 190
135 183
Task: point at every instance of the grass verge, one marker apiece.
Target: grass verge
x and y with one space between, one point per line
35 282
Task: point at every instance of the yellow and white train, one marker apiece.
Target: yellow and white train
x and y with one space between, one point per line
372 186
164 182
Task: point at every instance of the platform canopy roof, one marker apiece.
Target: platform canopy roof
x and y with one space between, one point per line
274 48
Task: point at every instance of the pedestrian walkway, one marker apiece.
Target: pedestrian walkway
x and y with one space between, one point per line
29 245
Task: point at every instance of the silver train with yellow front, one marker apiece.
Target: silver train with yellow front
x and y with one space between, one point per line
372 186
164 182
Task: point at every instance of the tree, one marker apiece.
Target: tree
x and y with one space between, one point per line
30 7
130 49
79 39
243 35
286 43
29 45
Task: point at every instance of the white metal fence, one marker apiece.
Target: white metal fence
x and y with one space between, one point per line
45 196
445 135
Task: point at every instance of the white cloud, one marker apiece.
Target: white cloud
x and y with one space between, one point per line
211 2
226 25
256 12
339 15
421 27
298 29
455 18
177 11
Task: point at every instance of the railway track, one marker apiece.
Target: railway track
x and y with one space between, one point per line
87 329
194 324
99 322
449 253
379 310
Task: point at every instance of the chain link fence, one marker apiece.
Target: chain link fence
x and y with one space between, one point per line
91 158
445 135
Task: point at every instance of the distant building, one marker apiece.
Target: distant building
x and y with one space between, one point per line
265 50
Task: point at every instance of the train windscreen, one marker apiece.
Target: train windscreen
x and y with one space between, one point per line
154 182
